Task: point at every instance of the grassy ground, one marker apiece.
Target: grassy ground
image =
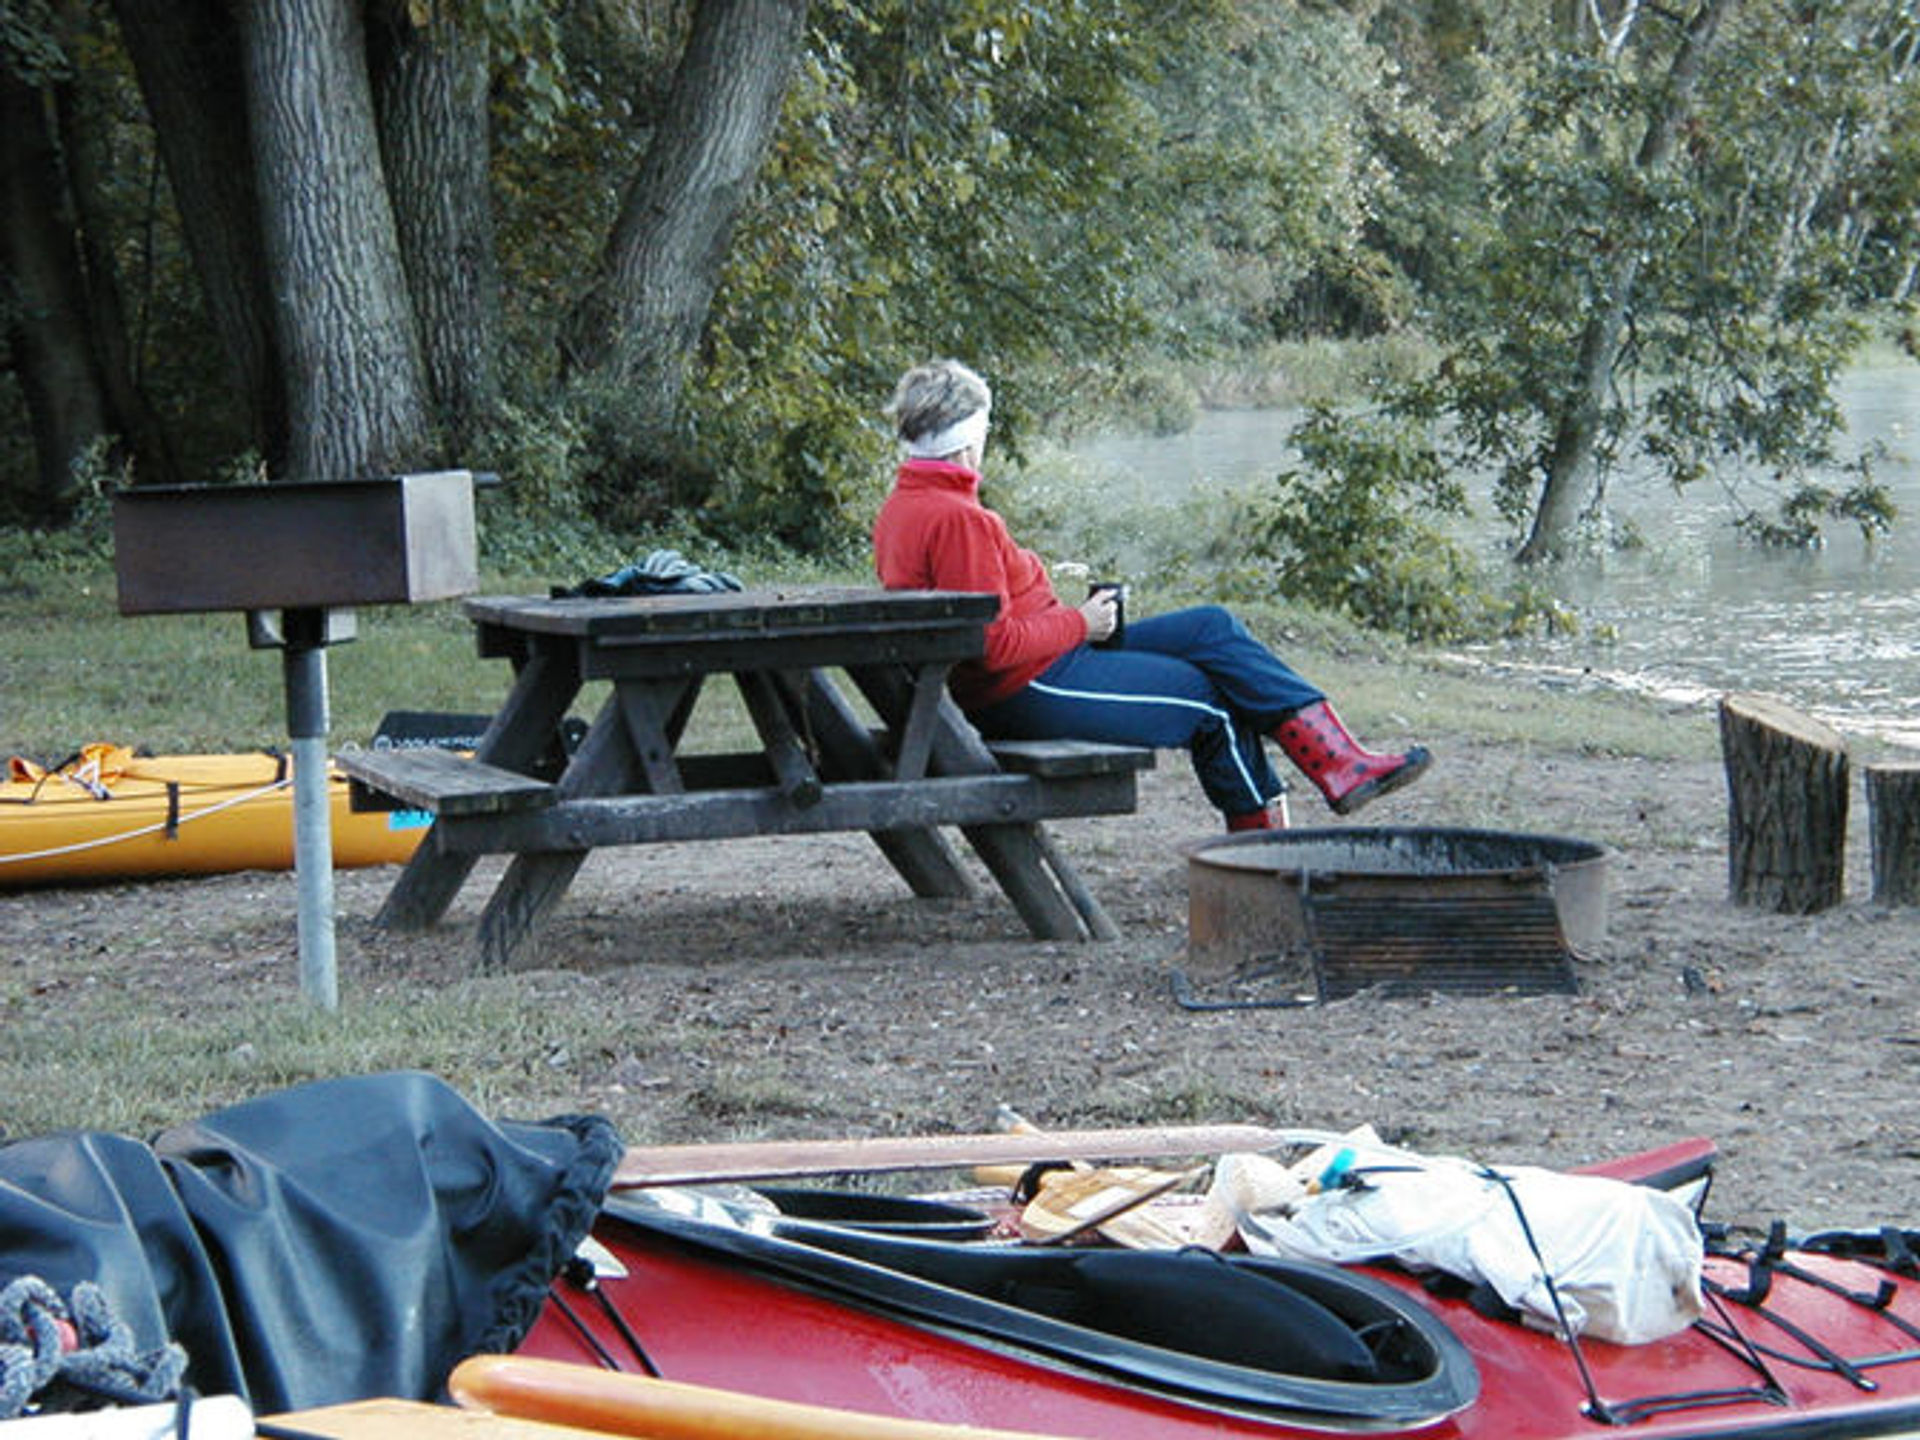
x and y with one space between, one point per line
74 670
99 1029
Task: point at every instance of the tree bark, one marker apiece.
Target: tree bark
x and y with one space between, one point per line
1576 437
1787 794
49 336
640 322
79 122
186 57
343 323
430 95
1893 811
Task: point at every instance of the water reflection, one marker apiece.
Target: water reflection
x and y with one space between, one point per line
1695 612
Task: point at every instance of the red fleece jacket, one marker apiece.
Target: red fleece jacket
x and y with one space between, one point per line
934 534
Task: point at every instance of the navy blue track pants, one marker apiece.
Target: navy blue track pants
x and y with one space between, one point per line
1193 679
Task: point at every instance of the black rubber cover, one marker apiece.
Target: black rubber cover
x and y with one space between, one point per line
342 1239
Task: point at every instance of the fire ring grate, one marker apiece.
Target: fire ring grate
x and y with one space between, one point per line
1392 910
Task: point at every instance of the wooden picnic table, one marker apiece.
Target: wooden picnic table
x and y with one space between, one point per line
820 765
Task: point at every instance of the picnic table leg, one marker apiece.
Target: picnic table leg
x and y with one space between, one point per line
923 858
1020 857
543 688
792 766
1098 922
631 737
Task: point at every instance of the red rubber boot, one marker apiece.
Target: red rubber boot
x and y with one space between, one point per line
1347 775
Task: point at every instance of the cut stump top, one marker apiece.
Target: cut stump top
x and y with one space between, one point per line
1774 714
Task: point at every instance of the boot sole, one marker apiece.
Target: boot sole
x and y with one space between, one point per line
1418 760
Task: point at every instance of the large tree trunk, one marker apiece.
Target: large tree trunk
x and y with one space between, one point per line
430 93
344 325
49 336
640 322
1569 459
80 121
186 56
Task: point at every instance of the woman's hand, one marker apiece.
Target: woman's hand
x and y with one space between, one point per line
1102 615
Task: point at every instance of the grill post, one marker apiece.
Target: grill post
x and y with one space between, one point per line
308 553
304 666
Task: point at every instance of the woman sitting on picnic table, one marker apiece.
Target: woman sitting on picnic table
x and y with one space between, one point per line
1193 679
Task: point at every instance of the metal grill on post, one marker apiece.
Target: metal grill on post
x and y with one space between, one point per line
296 559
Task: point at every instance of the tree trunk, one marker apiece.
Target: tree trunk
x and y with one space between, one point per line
80 119
641 320
430 94
48 333
1893 819
1787 793
343 322
1569 460
186 56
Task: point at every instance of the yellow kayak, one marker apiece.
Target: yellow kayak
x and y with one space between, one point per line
109 814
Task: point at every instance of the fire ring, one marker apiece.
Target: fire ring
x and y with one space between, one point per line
1399 910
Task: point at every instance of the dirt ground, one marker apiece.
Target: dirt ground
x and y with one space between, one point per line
795 988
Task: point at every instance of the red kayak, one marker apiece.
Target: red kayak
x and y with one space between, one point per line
1816 1339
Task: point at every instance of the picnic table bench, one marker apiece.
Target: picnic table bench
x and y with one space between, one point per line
820 764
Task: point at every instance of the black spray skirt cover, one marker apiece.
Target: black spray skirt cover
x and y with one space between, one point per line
342 1239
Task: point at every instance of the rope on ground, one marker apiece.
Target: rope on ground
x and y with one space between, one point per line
79 1343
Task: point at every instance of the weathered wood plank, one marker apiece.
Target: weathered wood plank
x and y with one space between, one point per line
537 878
1068 757
923 858
796 629
915 746
1893 821
1787 794
445 782
967 801
544 685
1012 850
799 781
795 611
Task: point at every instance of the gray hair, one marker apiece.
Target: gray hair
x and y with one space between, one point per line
933 396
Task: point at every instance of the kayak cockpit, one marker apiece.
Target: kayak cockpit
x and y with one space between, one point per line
1252 1336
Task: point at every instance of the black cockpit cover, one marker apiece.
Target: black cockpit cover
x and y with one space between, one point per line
344 1239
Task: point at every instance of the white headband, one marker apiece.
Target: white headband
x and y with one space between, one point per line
967 433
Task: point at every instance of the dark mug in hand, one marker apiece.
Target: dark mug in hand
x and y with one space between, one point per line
1119 609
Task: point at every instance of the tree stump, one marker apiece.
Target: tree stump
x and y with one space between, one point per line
1893 819
1787 791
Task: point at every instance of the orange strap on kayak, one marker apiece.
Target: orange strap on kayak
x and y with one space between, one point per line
639 1405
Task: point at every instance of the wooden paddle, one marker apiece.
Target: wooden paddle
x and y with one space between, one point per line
616 1404
776 1159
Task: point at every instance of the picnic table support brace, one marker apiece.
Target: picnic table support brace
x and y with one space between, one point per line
923 858
632 736
544 687
1018 855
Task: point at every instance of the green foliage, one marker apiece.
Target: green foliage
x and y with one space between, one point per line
1125 207
29 47
32 556
1736 303
1359 527
1278 132
970 179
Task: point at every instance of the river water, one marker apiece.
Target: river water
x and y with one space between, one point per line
1696 612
